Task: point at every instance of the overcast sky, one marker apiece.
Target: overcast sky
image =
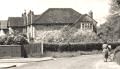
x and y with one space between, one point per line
15 8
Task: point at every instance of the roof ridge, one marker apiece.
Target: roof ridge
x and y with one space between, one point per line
59 8
14 17
49 9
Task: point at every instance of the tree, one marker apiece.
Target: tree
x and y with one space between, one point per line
110 30
114 6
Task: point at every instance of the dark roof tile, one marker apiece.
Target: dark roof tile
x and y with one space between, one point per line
57 15
15 22
86 18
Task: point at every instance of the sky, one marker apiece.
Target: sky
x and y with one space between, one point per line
14 8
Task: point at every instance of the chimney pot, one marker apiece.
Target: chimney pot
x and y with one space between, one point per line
91 14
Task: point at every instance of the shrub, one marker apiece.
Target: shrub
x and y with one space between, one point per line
9 40
117 54
50 47
72 46
75 46
20 40
13 39
2 40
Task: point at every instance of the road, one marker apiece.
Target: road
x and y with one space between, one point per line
80 62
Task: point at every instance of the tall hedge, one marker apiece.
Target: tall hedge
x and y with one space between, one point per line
75 46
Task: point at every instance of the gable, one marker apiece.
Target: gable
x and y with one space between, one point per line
57 16
86 18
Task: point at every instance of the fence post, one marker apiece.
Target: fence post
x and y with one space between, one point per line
42 47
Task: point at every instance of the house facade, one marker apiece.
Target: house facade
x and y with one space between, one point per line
51 23
53 20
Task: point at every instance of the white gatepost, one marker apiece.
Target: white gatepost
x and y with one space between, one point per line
42 47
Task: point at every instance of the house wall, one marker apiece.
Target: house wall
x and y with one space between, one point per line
47 31
84 26
19 29
44 32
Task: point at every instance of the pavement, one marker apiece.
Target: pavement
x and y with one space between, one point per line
80 62
106 65
17 62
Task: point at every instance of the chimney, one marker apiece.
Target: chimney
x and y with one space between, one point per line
24 16
31 13
91 14
30 16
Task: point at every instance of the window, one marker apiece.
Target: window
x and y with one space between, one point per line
83 26
91 26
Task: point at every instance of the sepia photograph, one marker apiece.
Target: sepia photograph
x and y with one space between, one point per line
59 34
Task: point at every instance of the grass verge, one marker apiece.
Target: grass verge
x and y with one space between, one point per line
70 54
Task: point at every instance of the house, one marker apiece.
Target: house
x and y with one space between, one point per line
53 20
3 26
17 24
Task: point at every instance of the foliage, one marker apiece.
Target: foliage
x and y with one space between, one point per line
109 31
114 6
2 40
18 39
9 40
72 47
69 34
84 37
117 54
76 46
117 58
76 35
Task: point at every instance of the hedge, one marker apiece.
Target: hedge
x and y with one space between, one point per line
75 46
117 54
117 58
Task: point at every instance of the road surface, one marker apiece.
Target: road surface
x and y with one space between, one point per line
80 62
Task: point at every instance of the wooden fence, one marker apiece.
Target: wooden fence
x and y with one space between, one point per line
36 49
30 50
10 50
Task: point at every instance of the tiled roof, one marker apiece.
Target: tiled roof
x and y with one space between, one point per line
57 16
34 17
3 24
51 16
15 22
86 18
